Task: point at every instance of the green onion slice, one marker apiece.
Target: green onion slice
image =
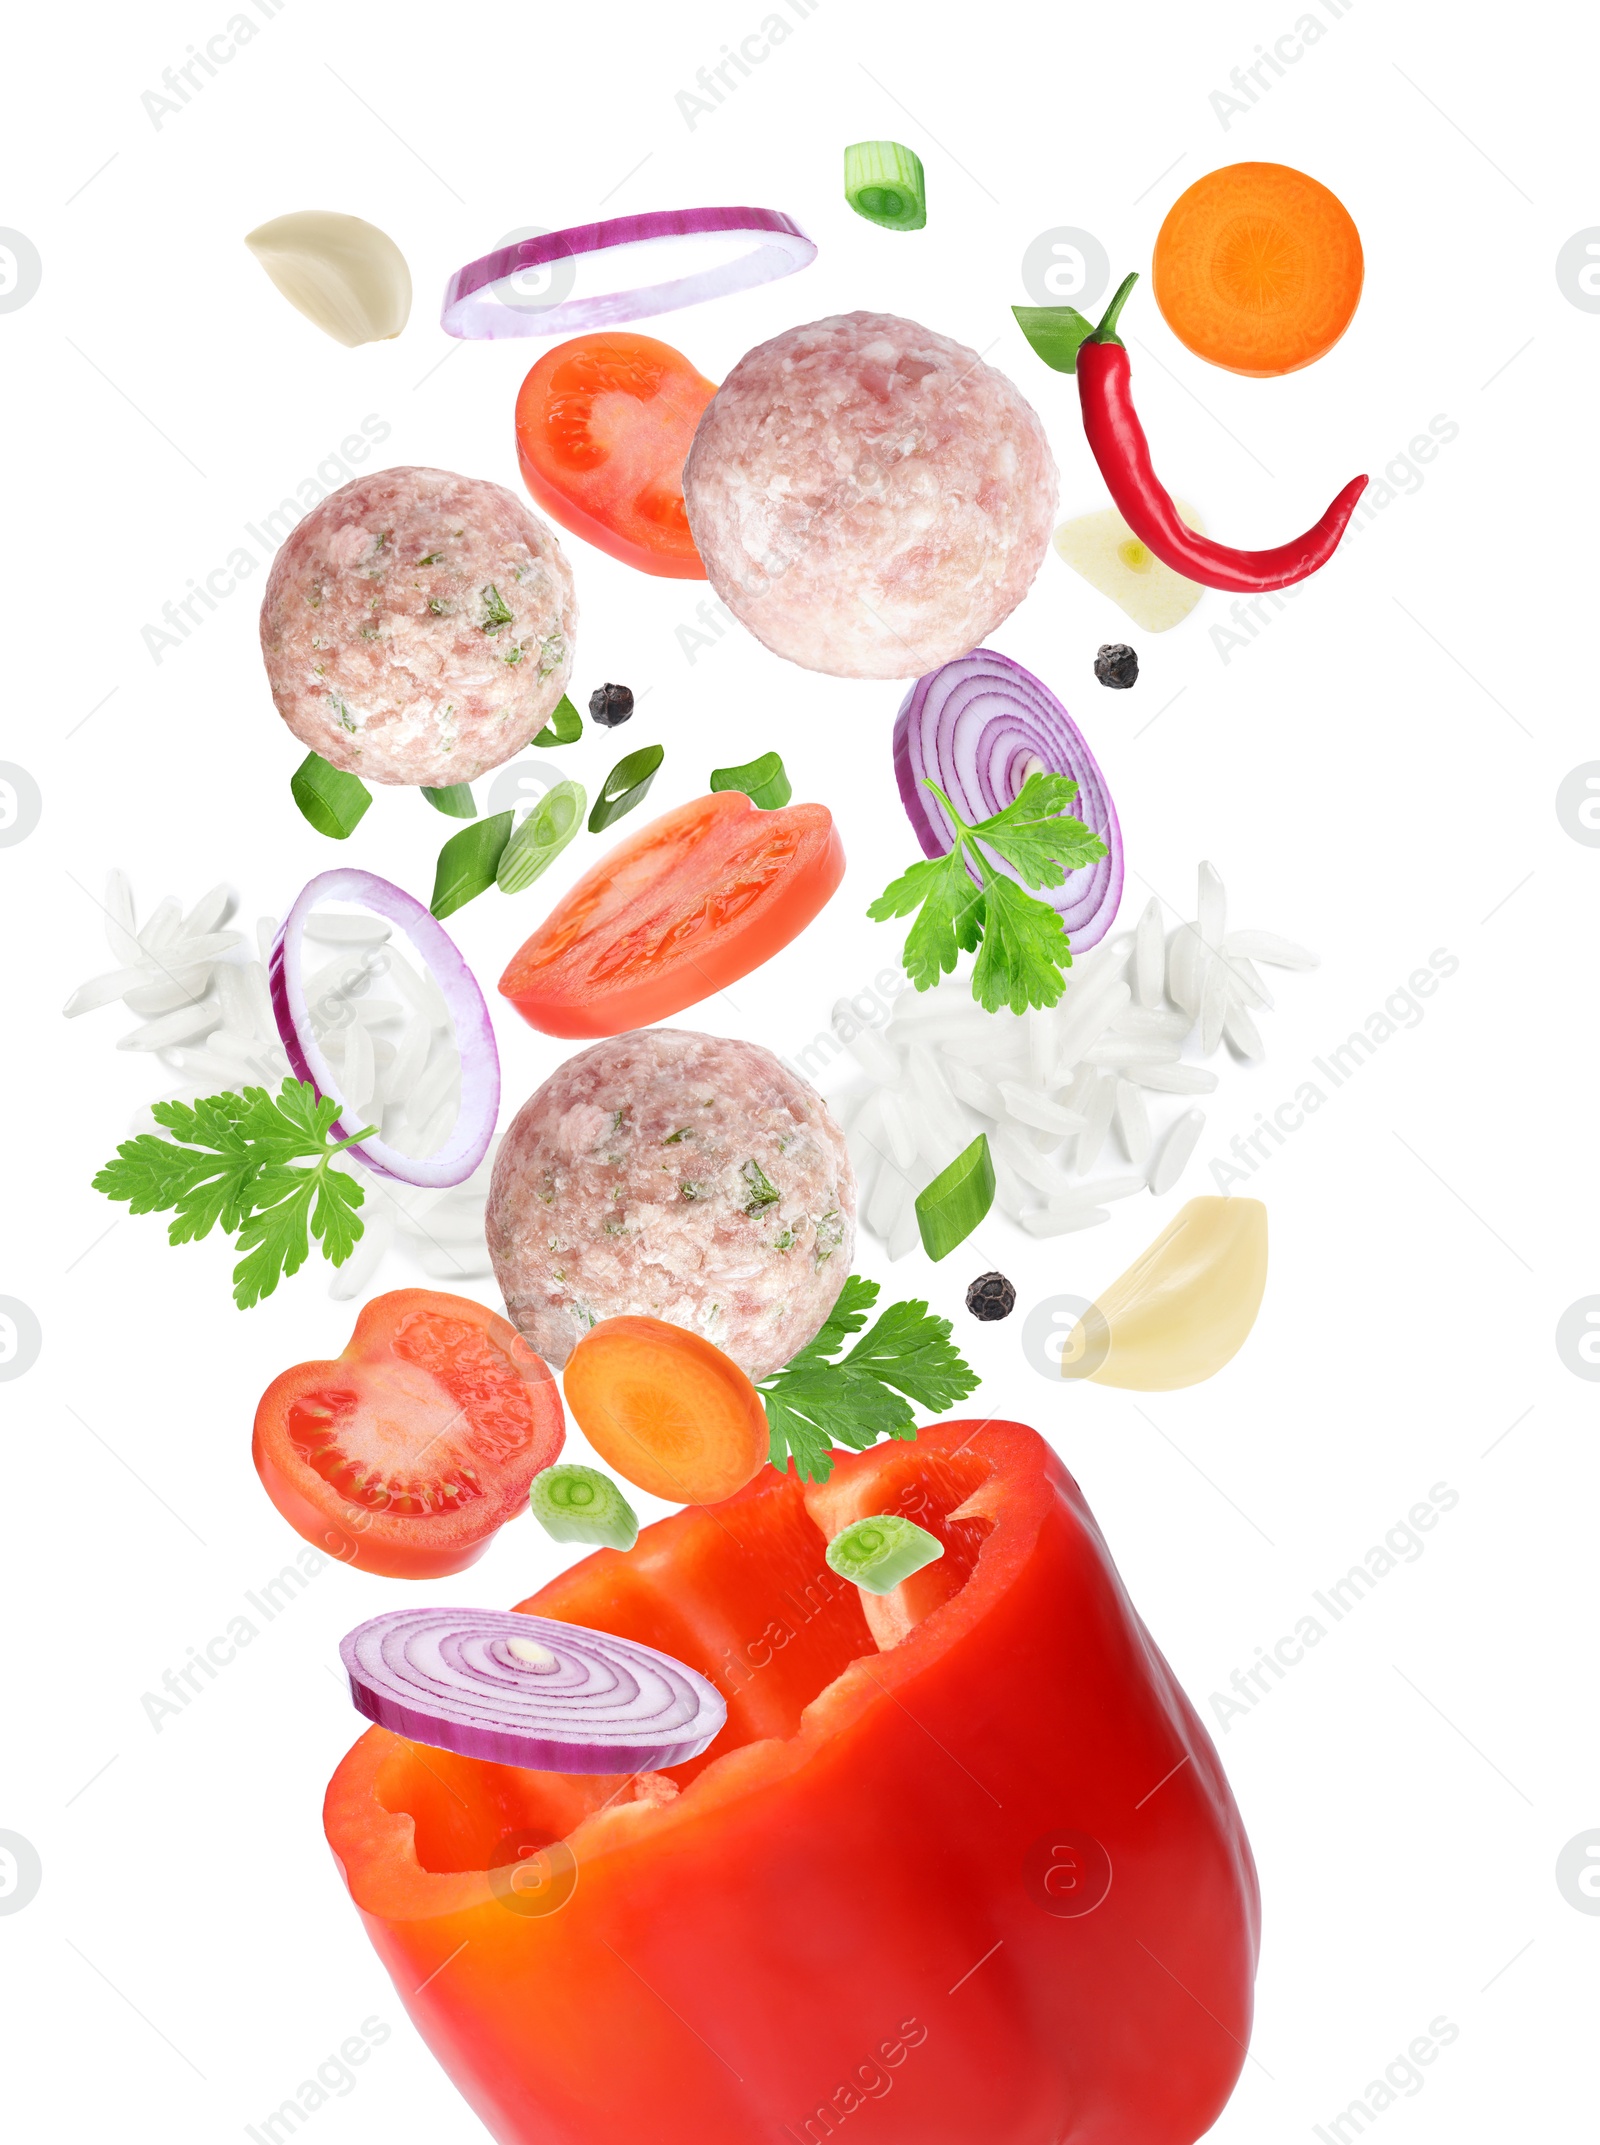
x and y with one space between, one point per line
1056 332
951 1207
455 801
546 831
883 181
763 781
468 862
876 1554
565 726
627 785
579 1504
332 800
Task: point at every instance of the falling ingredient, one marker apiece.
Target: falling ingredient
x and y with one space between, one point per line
349 278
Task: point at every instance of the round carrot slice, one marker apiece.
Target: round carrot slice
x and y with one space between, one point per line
1258 269
666 1409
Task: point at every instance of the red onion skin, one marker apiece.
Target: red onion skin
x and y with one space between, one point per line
1088 899
480 1059
786 248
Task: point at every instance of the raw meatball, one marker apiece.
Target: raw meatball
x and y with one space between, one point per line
675 1176
417 627
869 498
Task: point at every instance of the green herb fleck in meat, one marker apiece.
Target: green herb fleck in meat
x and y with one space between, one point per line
692 1190
431 558
684 1132
830 1235
495 613
761 1189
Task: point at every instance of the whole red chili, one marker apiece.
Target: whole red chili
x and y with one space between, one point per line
1116 438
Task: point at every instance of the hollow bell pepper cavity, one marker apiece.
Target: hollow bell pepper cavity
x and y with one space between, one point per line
1066 342
966 1840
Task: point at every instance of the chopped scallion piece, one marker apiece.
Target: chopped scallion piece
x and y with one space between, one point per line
468 862
332 800
546 831
883 181
951 1207
626 786
876 1554
456 801
579 1504
1056 332
763 781
565 726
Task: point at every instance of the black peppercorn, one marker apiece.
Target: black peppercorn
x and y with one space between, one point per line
1116 665
611 704
991 1296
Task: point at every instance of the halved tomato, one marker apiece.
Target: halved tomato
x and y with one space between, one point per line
409 1453
688 905
604 424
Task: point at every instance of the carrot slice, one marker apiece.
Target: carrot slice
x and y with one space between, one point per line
1258 269
666 1409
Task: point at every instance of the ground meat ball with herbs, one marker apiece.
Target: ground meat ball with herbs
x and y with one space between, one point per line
869 498
676 1176
418 627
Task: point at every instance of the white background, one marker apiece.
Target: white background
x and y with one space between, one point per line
1375 775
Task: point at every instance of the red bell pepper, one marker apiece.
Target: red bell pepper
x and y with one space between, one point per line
886 1884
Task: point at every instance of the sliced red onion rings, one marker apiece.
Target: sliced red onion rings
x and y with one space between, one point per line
467 1141
525 1690
479 306
979 726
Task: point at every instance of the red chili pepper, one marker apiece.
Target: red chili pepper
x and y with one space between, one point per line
1117 441
963 1862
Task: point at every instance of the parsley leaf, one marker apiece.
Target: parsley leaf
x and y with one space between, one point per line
963 901
230 1163
814 1404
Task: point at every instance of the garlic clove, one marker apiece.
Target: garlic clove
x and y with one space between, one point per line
346 276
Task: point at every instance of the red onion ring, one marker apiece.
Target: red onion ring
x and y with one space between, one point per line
592 1704
480 1060
475 311
979 726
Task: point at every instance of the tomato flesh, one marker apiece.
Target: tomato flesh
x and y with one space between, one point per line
604 424
409 1453
684 908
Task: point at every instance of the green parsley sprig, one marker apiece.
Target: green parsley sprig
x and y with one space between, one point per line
233 1160
962 902
814 1404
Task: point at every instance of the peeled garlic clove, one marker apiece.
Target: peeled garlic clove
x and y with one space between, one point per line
1183 1309
346 276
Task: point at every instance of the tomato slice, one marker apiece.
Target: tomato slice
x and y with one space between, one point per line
604 424
408 1454
688 905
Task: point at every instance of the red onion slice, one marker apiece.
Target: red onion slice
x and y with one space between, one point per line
525 1690
477 308
469 1137
979 726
